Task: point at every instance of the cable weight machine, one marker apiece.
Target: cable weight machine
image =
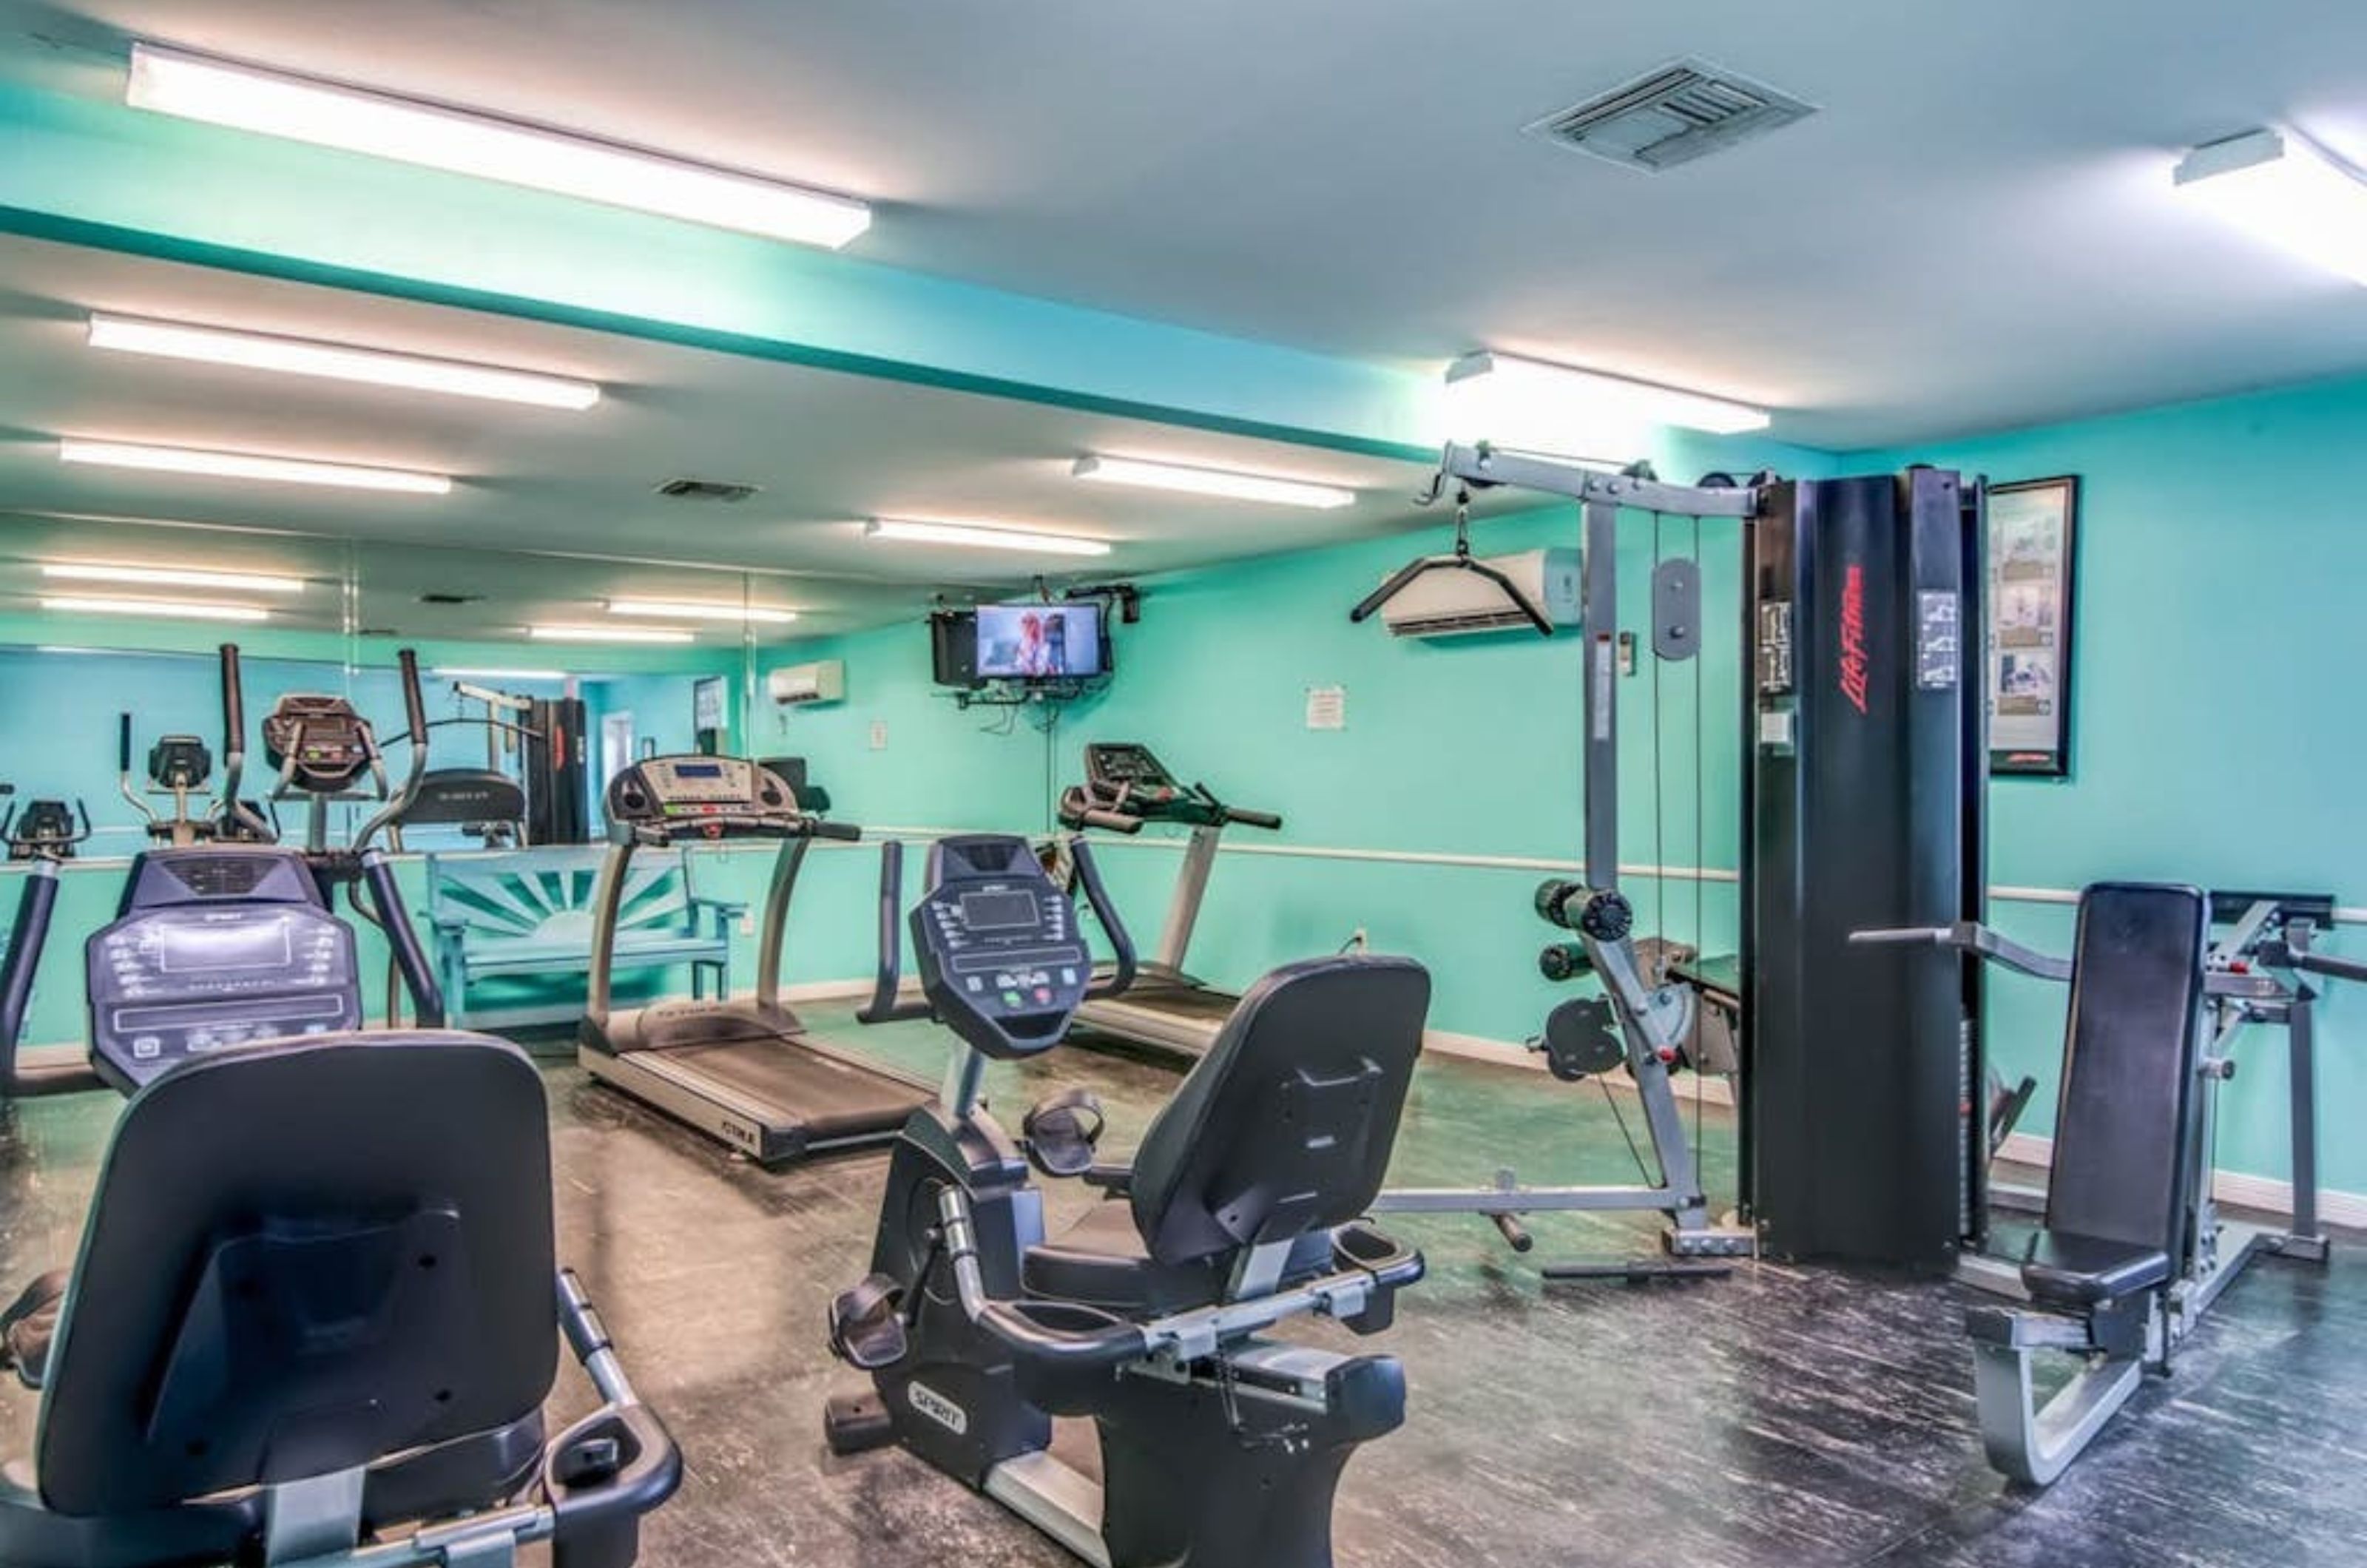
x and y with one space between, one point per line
1645 1021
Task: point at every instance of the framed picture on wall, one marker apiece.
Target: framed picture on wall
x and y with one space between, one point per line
707 696
2033 526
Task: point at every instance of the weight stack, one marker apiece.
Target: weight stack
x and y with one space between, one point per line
1865 808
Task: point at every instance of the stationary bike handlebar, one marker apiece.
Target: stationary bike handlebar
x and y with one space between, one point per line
1267 819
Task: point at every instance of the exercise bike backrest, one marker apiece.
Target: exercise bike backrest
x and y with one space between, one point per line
1002 964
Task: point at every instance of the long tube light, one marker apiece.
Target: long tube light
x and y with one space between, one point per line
192 609
1554 408
2281 189
246 466
1211 481
172 577
906 530
470 673
276 104
336 362
696 609
608 634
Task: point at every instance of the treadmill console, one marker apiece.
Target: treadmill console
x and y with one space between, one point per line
1000 957
1128 768
215 949
658 797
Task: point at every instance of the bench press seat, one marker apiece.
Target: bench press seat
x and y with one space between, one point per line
2078 1273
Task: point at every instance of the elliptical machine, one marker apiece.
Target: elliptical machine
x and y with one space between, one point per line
45 837
215 946
1218 1449
46 832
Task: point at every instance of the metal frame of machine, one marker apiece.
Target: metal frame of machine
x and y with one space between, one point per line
1654 1022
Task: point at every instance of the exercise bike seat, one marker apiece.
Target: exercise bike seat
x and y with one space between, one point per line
2079 1272
1280 1135
1102 1262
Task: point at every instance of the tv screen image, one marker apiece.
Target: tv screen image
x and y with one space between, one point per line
1038 642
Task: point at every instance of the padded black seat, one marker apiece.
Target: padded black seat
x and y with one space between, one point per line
1102 1262
2116 1198
2079 1272
1280 1135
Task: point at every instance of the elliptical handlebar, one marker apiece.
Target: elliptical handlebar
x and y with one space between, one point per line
234 806
414 712
123 771
1269 820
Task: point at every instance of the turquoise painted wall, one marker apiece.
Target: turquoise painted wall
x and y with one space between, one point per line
2217 734
2213 742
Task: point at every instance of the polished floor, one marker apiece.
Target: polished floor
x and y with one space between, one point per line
1783 1416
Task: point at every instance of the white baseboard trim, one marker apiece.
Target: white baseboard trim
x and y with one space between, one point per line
2263 1193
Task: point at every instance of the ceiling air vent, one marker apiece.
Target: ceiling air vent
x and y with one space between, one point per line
1685 110
705 489
449 598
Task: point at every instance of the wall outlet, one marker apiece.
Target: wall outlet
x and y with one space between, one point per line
879 734
747 923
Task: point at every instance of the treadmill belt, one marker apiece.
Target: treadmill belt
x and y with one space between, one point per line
829 1098
1190 1001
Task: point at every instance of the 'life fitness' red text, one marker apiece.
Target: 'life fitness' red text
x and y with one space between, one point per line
1854 671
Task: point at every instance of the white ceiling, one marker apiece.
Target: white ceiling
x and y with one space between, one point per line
828 450
1976 230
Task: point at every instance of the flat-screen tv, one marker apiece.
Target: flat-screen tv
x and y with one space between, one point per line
1040 642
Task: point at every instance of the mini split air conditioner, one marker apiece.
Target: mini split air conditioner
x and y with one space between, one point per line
1455 604
795 683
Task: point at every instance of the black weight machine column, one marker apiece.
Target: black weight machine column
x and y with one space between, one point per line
1864 1128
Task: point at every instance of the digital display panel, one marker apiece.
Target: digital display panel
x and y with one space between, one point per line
698 769
1038 642
998 911
218 949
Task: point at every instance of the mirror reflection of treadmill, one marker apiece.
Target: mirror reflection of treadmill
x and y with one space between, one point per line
745 1071
1167 1006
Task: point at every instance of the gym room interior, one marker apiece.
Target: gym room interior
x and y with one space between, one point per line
1233 785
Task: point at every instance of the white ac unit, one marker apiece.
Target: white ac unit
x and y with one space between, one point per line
1448 602
795 683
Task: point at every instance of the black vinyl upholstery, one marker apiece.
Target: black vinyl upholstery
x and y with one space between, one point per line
1279 1134
303 1257
2117 1194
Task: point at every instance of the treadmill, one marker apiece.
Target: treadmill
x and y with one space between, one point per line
1126 786
747 1073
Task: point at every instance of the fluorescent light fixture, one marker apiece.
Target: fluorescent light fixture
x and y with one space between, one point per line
609 634
337 362
1552 408
1211 481
172 577
2279 188
975 536
190 609
463 672
694 610
245 466
276 104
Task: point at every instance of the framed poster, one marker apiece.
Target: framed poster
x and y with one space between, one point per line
2033 526
707 697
